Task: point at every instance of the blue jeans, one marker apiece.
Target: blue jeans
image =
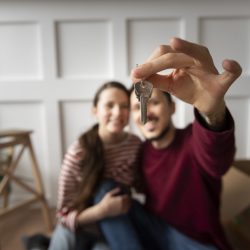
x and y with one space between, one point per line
118 231
140 229
62 239
65 239
137 229
156 234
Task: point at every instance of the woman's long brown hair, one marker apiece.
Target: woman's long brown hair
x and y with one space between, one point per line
92 166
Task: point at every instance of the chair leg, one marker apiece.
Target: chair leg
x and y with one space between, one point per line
39 187
5 198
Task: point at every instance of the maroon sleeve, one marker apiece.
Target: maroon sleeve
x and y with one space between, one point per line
214 150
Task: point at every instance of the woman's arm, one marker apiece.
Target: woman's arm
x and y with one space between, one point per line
111 205
69 183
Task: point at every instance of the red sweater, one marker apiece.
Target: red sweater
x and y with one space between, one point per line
183 181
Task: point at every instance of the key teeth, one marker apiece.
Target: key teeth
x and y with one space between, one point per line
143 88
142 121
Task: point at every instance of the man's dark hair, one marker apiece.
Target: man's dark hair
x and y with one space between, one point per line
168 96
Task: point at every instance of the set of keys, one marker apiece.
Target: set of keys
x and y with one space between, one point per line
143 91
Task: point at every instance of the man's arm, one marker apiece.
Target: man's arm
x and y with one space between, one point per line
217 120
213 149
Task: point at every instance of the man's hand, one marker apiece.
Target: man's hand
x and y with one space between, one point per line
194 78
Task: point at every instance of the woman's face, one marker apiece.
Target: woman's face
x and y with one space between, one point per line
112 111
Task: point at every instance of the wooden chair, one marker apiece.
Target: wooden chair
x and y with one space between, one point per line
5 160
15 142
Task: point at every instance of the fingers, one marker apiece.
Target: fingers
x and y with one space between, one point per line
121 203
114 191
159 51
162 82
194 50
165 61
126 203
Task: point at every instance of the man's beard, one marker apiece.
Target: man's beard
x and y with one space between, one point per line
161 135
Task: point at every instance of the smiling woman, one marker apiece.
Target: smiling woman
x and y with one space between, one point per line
112 113
97 175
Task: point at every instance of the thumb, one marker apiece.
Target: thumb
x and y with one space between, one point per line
232 71
114 191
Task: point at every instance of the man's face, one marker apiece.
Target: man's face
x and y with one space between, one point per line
159 112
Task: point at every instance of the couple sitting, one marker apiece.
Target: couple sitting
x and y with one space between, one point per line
178 170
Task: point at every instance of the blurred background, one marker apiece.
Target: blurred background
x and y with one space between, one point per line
55 54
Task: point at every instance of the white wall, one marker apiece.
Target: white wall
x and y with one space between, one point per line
54 54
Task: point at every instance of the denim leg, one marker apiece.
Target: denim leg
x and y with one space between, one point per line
118 231
158 235
101 246
179 241
62 239
152 231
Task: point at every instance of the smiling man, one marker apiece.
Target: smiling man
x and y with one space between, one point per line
182 168
158 126
182 172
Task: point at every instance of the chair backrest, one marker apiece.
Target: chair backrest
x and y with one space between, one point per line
236 189
242 165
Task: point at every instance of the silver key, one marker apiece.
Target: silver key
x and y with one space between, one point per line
143 91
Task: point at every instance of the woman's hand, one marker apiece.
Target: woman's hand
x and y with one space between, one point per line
114 204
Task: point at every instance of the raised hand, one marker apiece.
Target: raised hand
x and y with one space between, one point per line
194 78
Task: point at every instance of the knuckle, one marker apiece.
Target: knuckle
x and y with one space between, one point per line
161 49
205 49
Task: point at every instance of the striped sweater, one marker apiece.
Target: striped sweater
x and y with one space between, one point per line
121 163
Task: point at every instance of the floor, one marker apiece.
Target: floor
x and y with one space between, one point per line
30 221
24 223
238 240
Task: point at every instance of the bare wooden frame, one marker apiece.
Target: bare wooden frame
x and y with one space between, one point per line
10 139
